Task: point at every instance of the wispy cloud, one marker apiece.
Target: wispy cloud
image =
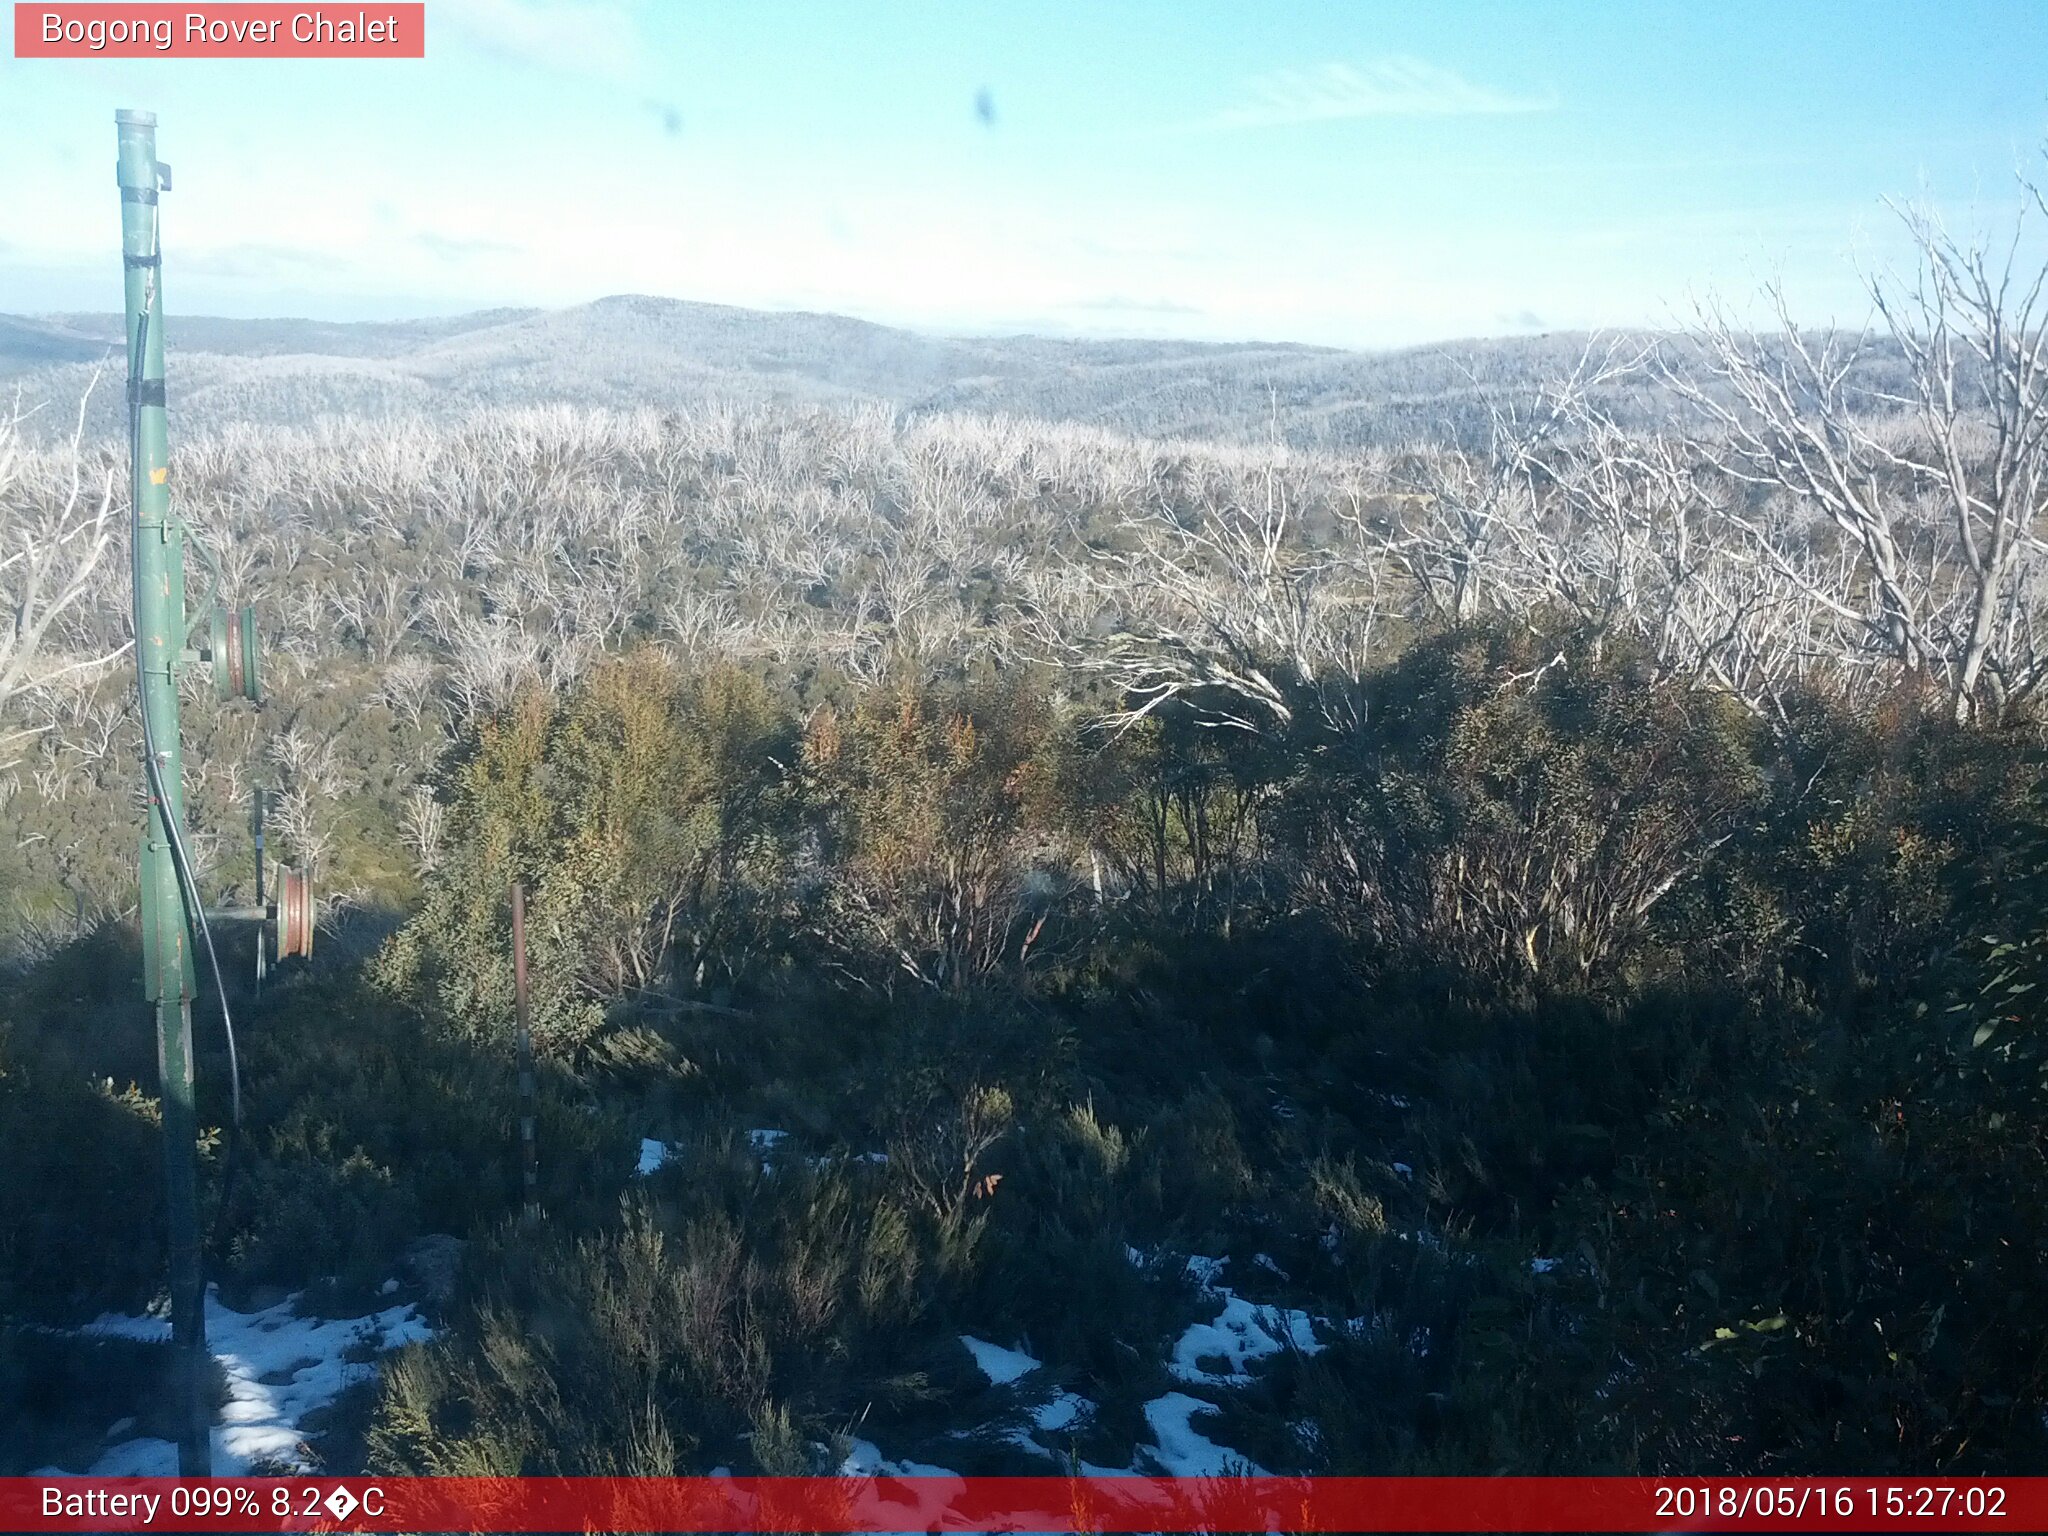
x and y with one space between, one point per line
1118 305
460 248
591 39
1398 86
249 260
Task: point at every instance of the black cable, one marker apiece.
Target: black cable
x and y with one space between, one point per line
188 888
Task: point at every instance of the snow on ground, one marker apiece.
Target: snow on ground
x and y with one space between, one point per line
1063 1411
1180 1449
865 1159
1060 1411
1001 1366
280 1368
1203 1271
767 1145
764 1143
1240 1334
865 1459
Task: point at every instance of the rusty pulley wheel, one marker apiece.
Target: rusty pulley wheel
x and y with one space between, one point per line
294 914
235 653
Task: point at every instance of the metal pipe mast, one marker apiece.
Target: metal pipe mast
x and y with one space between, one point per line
160 631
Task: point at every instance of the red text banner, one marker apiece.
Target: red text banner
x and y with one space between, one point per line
219 31
1107 1504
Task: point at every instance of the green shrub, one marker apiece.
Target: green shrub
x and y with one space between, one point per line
1515 805
647 818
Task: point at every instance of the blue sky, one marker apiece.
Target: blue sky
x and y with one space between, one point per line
1354 174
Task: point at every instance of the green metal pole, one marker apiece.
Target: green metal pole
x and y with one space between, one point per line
159 644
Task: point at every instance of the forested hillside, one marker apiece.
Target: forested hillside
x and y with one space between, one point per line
630 351
1512 950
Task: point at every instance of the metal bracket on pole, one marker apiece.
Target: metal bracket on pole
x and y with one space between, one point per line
289 918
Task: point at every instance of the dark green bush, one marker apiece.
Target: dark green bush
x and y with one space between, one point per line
1515 805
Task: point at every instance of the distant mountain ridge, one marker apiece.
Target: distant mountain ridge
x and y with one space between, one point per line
272 338
634 350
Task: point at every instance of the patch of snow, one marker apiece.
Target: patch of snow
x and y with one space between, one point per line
1241 1333
280 1369
763 1142
136 1458
1301 1332
1180 1449
1542 1266
1001 1366
1089 1469
1203 1271
766 1143
865 1459
1404 1170
863 1159
1061 1411
1022 1439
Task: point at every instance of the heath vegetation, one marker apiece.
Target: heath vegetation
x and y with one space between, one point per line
1556 908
